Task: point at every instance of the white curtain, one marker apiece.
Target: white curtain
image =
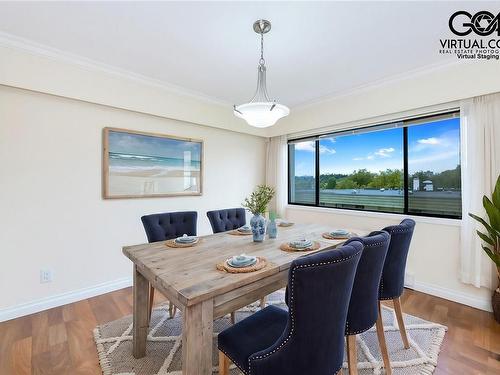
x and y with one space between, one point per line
277 172
480 133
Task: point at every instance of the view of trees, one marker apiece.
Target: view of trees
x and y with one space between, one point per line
449 179
388 179
362 178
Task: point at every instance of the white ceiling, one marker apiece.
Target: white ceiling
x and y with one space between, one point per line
314 49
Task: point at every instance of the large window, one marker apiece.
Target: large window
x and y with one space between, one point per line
410 167
302 165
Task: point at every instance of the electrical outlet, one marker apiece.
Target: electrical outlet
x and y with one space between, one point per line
409 280
45 276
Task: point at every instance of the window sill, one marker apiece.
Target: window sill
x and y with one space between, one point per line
381 215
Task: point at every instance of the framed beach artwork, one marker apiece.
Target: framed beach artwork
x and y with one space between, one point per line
138 164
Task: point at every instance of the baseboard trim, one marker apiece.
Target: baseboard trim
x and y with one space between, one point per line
452 295
78 295
63 299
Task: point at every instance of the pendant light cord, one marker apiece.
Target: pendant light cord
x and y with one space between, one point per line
262 61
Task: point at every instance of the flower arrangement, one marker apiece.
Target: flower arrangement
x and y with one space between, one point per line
259 199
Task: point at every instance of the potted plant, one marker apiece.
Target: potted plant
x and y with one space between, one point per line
257 205
491 239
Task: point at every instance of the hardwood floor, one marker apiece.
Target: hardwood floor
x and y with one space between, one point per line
60 340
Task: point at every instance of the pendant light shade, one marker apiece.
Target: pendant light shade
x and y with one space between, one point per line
261 111
258 114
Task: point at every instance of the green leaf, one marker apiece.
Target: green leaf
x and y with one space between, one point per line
496 194
493 212
493 232
494 257
259 199
485 238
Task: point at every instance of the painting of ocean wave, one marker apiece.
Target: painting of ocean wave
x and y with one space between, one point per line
139 164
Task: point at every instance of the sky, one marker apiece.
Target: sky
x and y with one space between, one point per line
136 144
433 146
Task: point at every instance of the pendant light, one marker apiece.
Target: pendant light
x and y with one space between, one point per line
261 111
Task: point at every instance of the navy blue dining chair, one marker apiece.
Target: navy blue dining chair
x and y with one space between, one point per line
364 308
165 226
393 274
226 219
309 337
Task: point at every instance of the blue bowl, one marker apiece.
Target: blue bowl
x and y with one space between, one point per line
242 261
301 244
339 233
186 239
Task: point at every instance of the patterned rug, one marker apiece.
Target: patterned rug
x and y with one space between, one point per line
164 351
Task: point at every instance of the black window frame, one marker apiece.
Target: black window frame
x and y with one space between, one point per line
316 138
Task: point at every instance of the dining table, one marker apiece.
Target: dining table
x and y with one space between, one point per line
190 279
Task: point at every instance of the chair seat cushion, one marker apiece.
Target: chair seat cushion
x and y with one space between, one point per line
255 333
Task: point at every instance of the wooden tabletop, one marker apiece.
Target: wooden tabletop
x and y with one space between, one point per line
191 275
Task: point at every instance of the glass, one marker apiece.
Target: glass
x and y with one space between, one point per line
434 176
302 172
363 171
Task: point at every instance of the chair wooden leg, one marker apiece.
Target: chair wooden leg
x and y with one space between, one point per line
150 301
382 343
233 317
401 322
223 364
172 309
352 356
262 302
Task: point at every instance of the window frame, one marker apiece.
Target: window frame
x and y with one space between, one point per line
316 138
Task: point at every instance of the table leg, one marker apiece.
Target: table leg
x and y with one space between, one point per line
141 297
197 338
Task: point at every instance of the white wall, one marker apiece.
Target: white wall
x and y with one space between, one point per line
408 92
52 213
433 260
41 69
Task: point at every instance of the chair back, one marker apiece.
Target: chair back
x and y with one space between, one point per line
393 274
363 307
313 340
227 219
168 225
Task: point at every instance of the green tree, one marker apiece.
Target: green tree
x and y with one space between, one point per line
332 183
347 183
362 177
388 179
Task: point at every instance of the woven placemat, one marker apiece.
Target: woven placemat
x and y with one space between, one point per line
236 232
328 236
261 263
286 247
172 243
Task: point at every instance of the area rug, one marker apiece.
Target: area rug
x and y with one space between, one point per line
164 345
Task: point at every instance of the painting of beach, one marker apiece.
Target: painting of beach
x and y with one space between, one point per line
138 164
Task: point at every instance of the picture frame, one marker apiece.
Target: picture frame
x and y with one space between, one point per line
139 164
